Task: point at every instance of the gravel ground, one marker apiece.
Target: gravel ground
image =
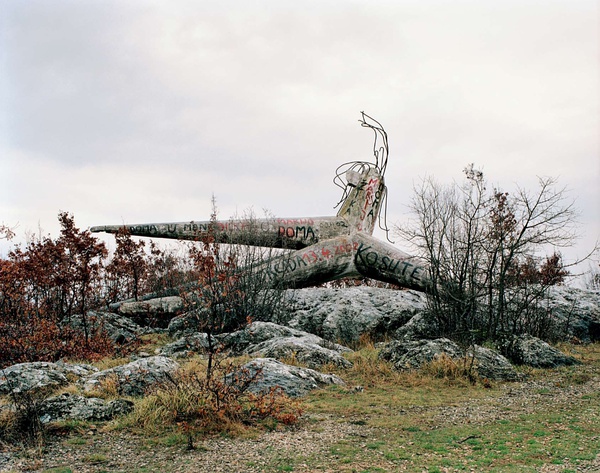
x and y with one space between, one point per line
97 451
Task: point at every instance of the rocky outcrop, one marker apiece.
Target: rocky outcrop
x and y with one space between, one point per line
346 314
406 355
257 332
120 329
73 407
153 312
576 311
531 351
306 350
187 345
187 323
163 305
135 378
419 327
269 340
412 354
492 365
294 381
40 376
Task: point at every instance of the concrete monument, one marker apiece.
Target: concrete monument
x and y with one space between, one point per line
320 249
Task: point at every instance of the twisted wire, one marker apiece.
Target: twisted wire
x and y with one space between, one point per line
381 153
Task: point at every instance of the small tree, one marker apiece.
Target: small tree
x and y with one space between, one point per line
41 286
232 289
128 269
482 248
6 232
81 257
169 269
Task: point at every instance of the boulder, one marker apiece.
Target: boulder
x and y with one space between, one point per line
576 311
73 407
135 378
306 350
531 351
258 332
153 312
270 340
186 323
492 365
186 345
120 329
346 314
420 326
412 354
40 376
294 381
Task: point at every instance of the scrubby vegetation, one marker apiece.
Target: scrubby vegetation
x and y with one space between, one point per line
48 283
42 286
487 251
489 283
197 405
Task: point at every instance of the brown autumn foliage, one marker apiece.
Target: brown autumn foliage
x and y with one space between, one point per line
6 233
227 295
47 281
41 287
127 273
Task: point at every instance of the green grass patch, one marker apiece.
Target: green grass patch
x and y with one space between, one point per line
95 458
403 421
404 432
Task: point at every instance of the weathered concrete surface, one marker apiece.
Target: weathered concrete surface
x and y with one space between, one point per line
357 255
327 248
275 233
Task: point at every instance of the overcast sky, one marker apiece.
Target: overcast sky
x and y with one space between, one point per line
138 111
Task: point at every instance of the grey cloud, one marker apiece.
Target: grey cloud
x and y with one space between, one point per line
260 99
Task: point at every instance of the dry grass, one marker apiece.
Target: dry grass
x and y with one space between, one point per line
449 369
195 405
107 388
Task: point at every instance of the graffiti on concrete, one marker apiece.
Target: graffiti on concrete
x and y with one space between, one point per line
321 249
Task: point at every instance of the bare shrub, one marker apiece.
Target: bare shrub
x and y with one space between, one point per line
20 421
445 367
483 249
